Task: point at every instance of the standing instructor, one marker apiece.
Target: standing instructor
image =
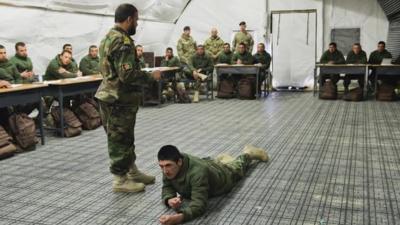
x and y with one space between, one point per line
119 96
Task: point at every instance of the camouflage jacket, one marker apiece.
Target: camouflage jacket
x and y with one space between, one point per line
89 65
9 72
172 62
186 48
119 66
214 46
245 38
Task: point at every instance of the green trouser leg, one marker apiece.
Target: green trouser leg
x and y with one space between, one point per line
119 124
240 166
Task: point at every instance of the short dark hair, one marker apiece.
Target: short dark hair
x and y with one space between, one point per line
226 43
92 46
242 23
138 46
19 44
382 43
200 46
357 44
2 47
124 11
66 51
242 43
169 152
66 45
169 49
186 28
333 44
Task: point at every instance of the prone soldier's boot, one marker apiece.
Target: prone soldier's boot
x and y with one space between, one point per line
136 175
123 184
256 153
224 158
196 97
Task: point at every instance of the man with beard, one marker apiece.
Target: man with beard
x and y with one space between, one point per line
119 97
23 63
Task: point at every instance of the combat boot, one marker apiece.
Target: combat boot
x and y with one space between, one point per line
136 175
122 184
224 158
196 97
256 153
202 76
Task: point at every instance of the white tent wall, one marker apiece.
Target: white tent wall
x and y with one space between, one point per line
202 15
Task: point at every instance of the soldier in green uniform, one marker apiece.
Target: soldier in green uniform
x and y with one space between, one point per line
119 96
200 66
242 56
8 71
355 56
89 64
199 179
214 44
376 57
332 56
243 37
61 67
23 63
225 57
186 46
139 53
169 59
264 58
68 47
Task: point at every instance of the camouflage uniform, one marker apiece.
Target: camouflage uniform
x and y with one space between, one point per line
23 64
119 95
89 65
9 72
213 46
200 179
337 58
203 62
352 58
186 48
173 62
246 38
142 63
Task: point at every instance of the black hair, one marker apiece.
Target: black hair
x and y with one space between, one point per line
2 47
66 51
382 43
18 44
242 43
200 46
226 43
138 46
186 28
333 44
169 152
66 45
124 11
169 49
92 46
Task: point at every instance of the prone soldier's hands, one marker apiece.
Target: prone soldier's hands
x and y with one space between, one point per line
171 219
175 203
156 75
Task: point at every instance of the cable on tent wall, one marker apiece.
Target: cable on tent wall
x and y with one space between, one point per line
308 27
279 29
183 10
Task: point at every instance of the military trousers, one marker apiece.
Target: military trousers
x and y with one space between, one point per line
119 125
239 166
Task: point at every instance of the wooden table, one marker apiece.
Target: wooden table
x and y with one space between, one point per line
243 70
21 94
351 69
70 87
167 74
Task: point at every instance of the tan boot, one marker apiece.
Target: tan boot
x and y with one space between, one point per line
180 86
202 76
196 97
135 174
122 184
256 153
224 158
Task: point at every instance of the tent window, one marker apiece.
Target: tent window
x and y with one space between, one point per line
345 38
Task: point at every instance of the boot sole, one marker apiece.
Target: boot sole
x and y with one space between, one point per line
127 190
149 183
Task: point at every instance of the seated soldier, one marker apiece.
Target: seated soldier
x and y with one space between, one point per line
170 60
68 47
8 71
355 56
140 56
331 56
264 58
241 57
376 57
225 57
23 63
199 179
199 67
89 64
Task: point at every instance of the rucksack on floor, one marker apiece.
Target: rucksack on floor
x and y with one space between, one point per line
88 115
386 92
23 130
7 148
354 95
72 125
247 88
328 91
226 89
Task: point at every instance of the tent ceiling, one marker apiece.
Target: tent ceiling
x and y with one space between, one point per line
153 10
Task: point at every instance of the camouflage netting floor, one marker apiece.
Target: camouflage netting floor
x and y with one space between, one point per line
333 162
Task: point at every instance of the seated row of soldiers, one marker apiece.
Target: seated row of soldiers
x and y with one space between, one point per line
356 56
